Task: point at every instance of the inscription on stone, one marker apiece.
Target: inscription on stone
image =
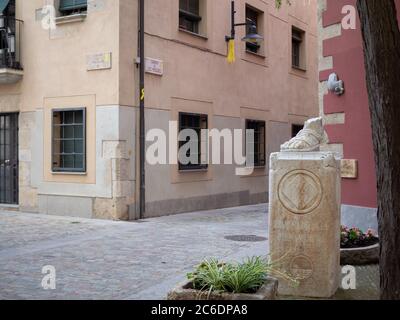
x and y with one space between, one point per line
301 268
349 169
300 191
154 66
99 61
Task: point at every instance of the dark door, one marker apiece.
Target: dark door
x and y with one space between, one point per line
9 158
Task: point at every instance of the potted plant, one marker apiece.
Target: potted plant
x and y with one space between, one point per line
214 280
358 247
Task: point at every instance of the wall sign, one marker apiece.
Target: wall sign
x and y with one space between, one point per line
99 61
349 169
154 66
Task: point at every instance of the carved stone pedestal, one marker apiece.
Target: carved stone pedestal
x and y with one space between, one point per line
305 221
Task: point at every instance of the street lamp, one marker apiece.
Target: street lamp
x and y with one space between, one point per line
251 36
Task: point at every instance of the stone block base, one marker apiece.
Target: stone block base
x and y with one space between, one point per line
111 209
185 291
305 221
28 199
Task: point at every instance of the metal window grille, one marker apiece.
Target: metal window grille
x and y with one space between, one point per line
196 122
69 140
9 158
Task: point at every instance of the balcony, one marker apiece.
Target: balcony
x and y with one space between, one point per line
11 70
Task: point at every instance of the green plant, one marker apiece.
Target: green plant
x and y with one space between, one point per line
278 3
208 276
247 277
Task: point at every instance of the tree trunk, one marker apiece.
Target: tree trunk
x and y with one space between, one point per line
381 38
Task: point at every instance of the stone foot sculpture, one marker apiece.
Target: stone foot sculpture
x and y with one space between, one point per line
309 139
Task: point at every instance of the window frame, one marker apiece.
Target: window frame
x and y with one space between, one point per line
61 170
191 167
259 164
297 41
253 47
296 128
194 18
74 10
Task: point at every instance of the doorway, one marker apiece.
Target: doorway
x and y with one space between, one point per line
9 158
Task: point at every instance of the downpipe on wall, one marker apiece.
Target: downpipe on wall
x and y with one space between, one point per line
142 206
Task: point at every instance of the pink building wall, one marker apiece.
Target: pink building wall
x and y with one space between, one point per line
355 134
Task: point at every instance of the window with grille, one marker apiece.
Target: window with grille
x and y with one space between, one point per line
196 122
69 140
189 15
257 148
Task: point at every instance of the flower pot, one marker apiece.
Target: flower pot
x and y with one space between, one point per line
185 291
360 256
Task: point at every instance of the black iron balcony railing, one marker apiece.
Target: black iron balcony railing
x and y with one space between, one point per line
10 43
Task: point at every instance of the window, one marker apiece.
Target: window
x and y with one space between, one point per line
69 140
9 9
259 142
189 15
253 16
297 47
196 122
296 128
68 7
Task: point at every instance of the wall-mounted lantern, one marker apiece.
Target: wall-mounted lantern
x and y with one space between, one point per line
251 36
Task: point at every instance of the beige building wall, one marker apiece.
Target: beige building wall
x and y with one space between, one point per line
196 78
56 76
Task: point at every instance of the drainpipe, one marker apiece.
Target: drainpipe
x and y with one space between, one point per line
142 114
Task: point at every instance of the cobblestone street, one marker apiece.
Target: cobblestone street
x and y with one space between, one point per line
103 260
98 259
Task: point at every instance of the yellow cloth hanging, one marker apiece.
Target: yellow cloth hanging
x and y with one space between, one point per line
231 51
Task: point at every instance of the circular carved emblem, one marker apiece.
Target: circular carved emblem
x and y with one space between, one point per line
300 191
301 267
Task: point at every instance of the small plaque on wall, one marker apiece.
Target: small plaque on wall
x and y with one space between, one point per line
99 61
154 66
349 169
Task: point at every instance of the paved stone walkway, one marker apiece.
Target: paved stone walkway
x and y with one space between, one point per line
119 260
97 259
367 285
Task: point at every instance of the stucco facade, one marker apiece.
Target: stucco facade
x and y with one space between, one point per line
347 117
58 74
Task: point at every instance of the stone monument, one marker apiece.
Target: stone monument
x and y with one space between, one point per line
305 213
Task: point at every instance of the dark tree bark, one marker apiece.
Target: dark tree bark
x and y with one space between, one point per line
381 38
